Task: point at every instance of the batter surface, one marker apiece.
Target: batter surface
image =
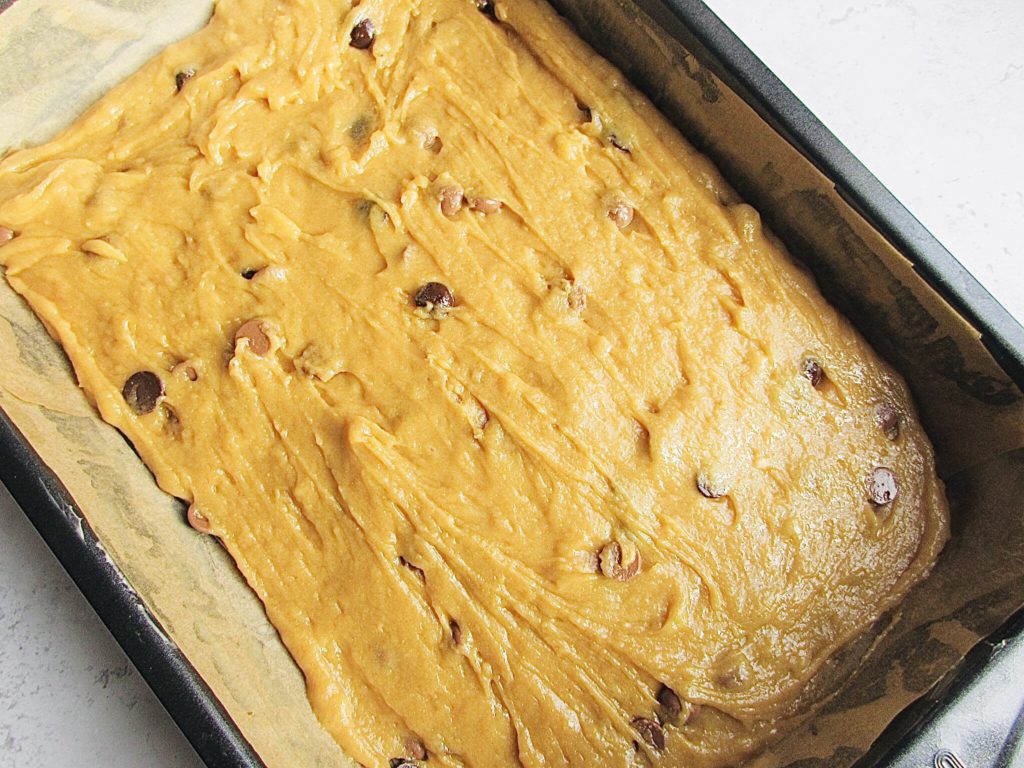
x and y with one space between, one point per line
537 450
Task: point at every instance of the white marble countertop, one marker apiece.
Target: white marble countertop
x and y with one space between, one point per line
929 94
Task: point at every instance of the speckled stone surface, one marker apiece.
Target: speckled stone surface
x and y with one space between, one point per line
929 94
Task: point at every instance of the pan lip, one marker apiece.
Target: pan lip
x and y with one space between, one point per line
728 57
177 684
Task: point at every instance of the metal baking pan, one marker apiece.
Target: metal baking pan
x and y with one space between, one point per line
937 729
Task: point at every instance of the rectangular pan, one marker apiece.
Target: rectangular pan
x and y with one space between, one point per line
718 51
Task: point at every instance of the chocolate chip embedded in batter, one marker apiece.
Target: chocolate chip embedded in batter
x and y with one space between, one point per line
456 631
402 762
619 560
486 7
198 520
485 205
142 390
249 274
434 295
186 369
252 330
6 235
650 731
183 77
707 488
434 144
671 704
588 115
888 419
813 371
882 486
363 35
621 213
451 198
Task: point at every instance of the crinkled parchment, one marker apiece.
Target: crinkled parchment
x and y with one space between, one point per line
57 57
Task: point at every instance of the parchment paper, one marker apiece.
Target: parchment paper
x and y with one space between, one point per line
57 57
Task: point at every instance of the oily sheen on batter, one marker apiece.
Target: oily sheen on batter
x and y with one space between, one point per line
537 450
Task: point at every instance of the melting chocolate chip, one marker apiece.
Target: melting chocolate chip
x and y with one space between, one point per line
486 7
252 330
619 561
6 235
183 77
671 705
142 390
882 486
485 205
621 213
456 631
451 198
363 35
434 295
888 418
198 520
649 730
249 274
707 488
813 371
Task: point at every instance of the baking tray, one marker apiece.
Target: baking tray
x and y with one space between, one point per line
190 701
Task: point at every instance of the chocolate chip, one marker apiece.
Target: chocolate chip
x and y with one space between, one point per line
434 295
183 77
888 419
361 128
621 213
414 568
6 235
708 489
451 198
813 371
415 748
486 7
363 35
649 730
401 762
142 390
671 705
252 330
456 631
434 144
588 115
485 205
198 520
619 560
882 486
249 274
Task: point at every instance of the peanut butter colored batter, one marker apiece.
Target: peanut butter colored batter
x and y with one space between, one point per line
536 448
